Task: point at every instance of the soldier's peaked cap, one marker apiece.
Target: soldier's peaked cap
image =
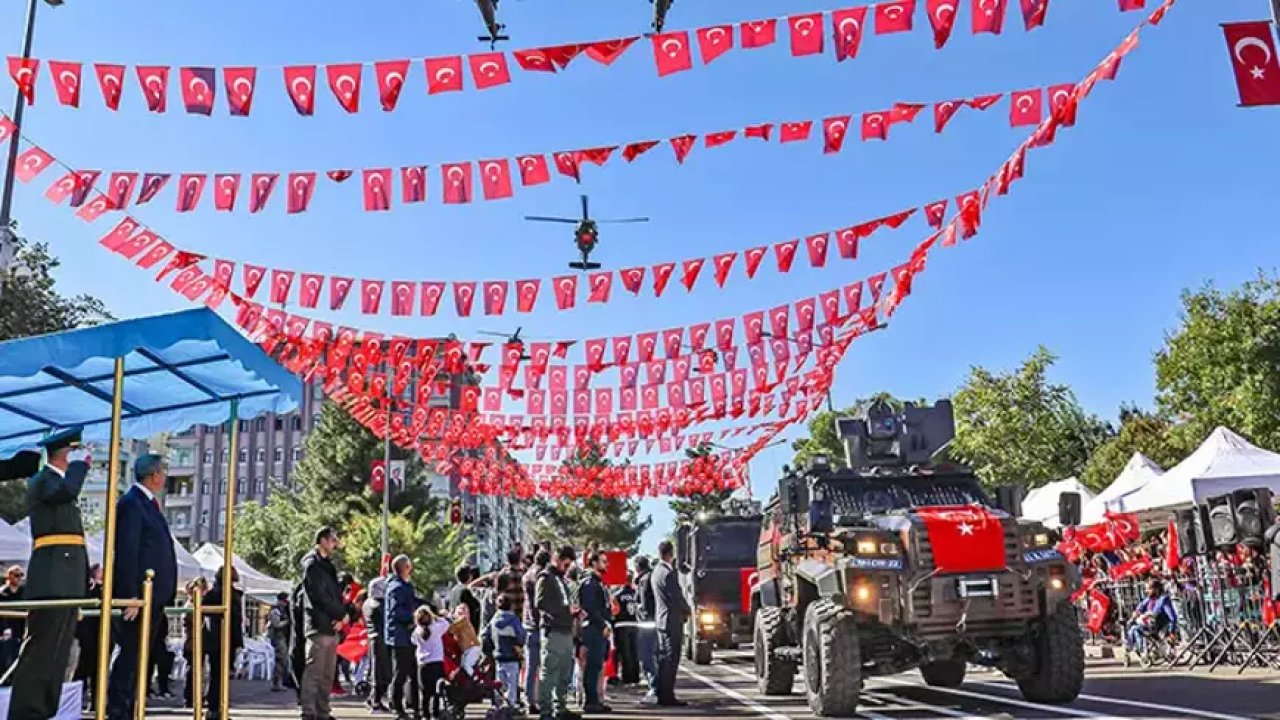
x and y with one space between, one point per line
65 438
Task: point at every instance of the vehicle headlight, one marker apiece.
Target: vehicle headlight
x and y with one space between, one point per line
866 547
1036 540
707 617
871 546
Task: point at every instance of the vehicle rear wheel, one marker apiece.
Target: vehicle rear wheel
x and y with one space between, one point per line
832 660
944 673
1059 659
702 652
774 676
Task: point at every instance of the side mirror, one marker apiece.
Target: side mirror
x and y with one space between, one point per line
1070 506
1009 499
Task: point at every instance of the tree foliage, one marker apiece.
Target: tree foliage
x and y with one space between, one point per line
604 522
1140 431
688 509
332 488
1017 427
31 305
1219 367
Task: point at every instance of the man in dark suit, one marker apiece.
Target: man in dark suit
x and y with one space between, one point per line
142 543
58 570
671 613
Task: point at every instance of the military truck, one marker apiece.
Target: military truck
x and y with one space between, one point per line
717 556
897 561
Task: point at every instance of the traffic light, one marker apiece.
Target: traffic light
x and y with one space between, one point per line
455 512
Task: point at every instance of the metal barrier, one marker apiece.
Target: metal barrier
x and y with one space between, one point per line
1221 618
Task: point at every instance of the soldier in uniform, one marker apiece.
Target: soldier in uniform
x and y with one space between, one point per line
59 569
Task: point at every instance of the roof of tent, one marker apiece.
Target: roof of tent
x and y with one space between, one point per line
181 369
252 581
1139 471
1223 462
188 568
15 545
1042 502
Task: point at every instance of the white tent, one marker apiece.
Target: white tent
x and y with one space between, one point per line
188 568
252 581
1139 471
1223 462
15 545
1042 503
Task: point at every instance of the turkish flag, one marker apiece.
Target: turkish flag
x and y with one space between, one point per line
1131 5
239 82
1253 58
344 81
495 297
752 257
190 188
413 183
817 246
1062 103
154 80
66 81
806 34
526 294
671 52
197 89
988 16
281 282
377 189
533 170
848 25
457 182
795 131
260 187
429 297
942 18
1033 12
300 81
943 112
370 296
1099 604
111 81
566 289
834 130
495 179
464 293
300 187
567 164
225 189
714 42
758 33
120 188
894 17
632 279
964 538
444 74
390 74
661 276
1026 107
875 126
606 51
690 269
338 289
778 318
309 291
847 242
935 212
489 70
63 187
682 145
786 254
716 139
120 234
534 60
723 263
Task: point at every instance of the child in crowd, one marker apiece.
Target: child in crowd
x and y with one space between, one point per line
508 636
428 639
468 641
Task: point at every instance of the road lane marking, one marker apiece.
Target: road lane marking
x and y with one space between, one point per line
732 694
914 705
1138 704
1060 709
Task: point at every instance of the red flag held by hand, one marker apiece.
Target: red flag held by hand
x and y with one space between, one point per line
1253 58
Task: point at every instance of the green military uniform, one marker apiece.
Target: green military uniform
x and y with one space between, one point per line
59 569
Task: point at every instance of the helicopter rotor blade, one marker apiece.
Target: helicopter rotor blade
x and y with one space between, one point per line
585 215
490 333
541 218
625 220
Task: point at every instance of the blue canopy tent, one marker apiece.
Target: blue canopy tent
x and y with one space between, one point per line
134 379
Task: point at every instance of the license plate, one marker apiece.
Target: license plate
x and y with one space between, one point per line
977 587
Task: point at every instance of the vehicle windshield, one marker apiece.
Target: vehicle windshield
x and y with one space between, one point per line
875 496
728 545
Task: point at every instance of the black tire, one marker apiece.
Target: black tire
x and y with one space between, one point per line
1059 667
944 673
832 660
702 652
773 676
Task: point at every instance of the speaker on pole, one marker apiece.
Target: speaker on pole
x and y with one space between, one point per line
1070 506
1186 524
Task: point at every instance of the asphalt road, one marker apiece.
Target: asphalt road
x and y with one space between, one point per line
727 688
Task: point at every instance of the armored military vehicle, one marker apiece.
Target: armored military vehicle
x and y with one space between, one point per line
717 555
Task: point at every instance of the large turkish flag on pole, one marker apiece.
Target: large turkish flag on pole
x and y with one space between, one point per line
1253 58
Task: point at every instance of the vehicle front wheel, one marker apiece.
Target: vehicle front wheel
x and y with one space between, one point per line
702 652
774 676
832 660
1059 659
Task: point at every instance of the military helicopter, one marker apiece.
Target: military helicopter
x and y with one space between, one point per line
587 234
660 9
512 339
489 12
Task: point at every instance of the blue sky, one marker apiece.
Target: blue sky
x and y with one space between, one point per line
1163 185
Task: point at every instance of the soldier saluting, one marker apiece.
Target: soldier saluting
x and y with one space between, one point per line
59 569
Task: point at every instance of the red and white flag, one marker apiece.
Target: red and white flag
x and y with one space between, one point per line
239 82
714 42
300 81
942 18
671 53
444 74
111 81
197 89
495 297
806 34
489 70
1026 107
988 16
225 189
413 183
527 294
848 26
377 189
154 80
390 74
1253 58
533 170
457 182
260 187
894 17
964 538
495 179
301 187
464 294
344 81
66 81
758 33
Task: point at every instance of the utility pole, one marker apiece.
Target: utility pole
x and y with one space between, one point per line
8 238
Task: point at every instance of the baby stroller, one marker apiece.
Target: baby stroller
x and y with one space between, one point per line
461 689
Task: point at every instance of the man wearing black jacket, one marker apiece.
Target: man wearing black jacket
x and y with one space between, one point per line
671 612
374 624
596 618
324 615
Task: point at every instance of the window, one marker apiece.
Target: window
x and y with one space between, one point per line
204 487
279 423
297 422
261 455
278 454
260 487
225 454
244 426
260 424
180 520
204 518
222 518
240 487
297 453
244 454
208 457
315 421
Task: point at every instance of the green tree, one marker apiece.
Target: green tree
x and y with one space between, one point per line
1221 366
1017 427
436 548
1140 431
604 522
31 305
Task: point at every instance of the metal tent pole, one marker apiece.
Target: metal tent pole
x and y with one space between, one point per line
228 530
386 470
108 542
